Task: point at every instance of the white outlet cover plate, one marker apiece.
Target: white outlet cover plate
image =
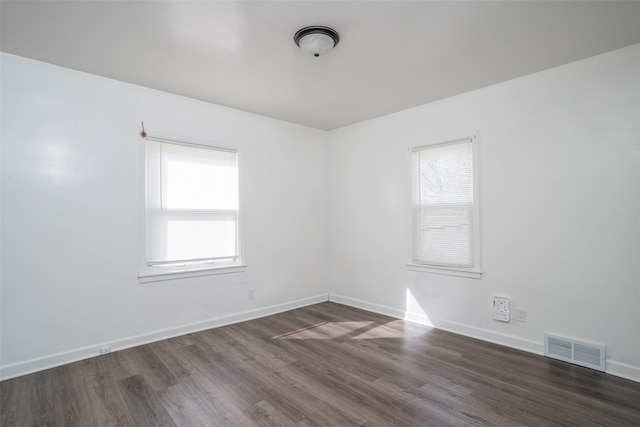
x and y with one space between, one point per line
501 304
502 317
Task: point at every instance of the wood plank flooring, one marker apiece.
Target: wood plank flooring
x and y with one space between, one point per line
322 365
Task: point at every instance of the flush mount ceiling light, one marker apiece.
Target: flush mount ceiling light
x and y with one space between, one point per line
316 40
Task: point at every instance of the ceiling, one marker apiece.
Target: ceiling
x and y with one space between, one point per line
392 55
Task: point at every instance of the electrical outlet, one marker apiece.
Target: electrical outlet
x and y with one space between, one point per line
501 309
105 349
521 315
252 293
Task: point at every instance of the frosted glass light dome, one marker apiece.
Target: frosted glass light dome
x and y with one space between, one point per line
316 40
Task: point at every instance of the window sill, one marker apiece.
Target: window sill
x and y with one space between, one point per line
172 275
447 271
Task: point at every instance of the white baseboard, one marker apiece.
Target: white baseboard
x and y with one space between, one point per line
613 367
51 361
369 306
492 337
623 370
457 328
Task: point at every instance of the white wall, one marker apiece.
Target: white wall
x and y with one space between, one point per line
560 184
560 206
70 211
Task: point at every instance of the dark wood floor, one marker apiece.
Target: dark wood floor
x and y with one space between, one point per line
323 365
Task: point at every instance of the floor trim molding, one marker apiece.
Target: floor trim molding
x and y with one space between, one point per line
623 370
616 368
53 360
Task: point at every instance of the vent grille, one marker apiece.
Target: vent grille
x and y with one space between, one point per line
559 347
577 352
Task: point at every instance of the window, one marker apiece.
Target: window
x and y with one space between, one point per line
445 213
191 208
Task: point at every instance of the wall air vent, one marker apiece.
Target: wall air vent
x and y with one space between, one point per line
580 353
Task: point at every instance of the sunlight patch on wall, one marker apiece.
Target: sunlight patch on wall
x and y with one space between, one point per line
414 311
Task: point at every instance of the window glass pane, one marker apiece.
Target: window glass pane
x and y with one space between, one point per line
442 225
200 239
191 203
445 237
446 174
193 178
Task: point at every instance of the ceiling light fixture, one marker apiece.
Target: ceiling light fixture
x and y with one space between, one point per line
316 40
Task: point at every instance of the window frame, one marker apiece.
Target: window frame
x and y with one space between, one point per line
475 271
167 271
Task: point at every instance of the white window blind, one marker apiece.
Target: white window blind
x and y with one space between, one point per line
191 203
443 205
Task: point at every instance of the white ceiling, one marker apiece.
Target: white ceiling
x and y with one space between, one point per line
392 54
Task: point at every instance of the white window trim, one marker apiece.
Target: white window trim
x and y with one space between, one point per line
474 272
172 275
147 274
447 271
